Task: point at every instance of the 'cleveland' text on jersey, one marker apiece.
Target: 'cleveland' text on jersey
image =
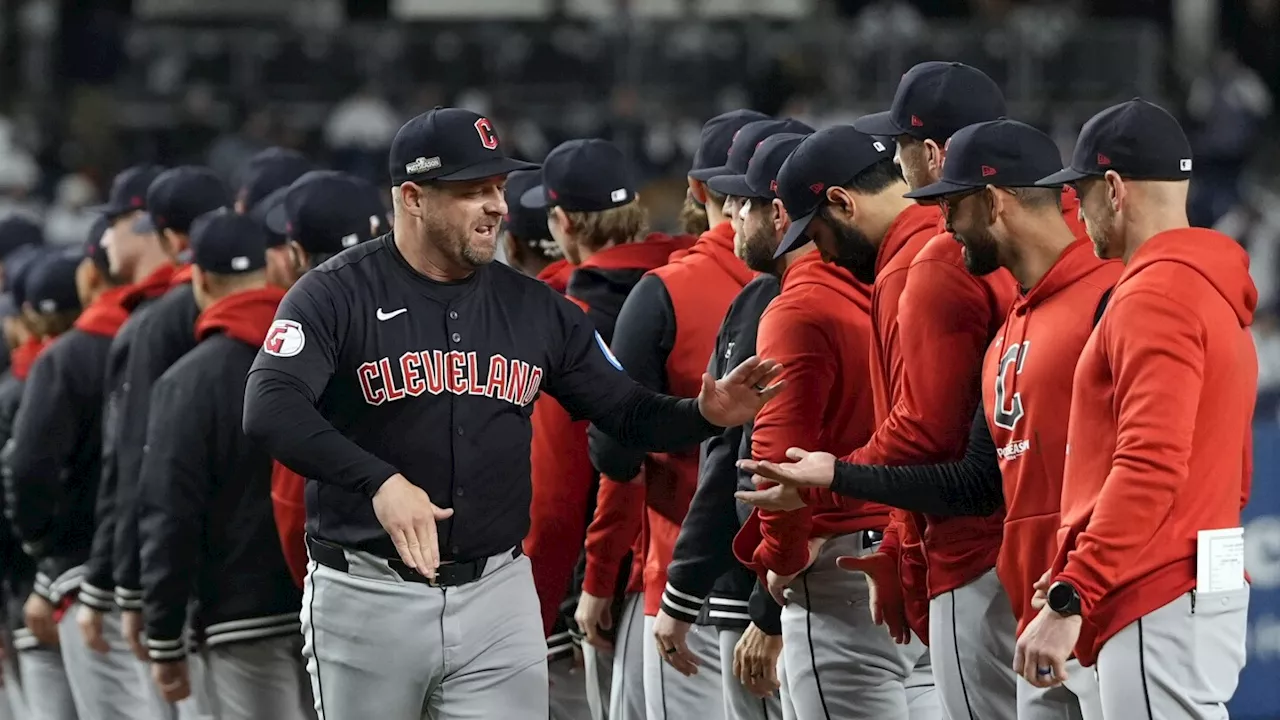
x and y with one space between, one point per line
453 371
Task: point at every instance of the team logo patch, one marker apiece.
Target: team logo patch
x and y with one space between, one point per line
284 339
608 354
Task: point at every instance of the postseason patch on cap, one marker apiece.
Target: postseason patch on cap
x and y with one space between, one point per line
285 339
422 164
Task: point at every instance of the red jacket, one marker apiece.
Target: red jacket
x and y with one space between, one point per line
819 328
560 467
701 286
1026 393
1159 441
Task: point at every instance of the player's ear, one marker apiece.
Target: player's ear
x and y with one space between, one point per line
410 196
1116 190
698 190
781 220
936 154
842 203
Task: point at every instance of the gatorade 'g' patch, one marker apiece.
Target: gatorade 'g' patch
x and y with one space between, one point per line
608 354
285 339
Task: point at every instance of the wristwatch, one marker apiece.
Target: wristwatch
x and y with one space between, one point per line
1063 599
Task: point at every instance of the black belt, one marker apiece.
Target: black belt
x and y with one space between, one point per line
449 574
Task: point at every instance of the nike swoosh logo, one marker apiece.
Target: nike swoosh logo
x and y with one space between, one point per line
388 315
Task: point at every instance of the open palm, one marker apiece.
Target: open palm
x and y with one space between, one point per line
809 469
738 396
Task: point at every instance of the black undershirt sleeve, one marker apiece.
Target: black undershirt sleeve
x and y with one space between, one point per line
655 422
970 486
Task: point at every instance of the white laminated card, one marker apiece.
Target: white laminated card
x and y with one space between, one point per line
1220 560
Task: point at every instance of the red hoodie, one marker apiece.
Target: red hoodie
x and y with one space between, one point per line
1159 439
106 313
561 470
160 281
701 286
244 316
24 356
1026 393
819 328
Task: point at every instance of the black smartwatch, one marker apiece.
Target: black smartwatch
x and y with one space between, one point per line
1063 599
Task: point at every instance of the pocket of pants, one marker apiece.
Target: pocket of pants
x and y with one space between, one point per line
1220 624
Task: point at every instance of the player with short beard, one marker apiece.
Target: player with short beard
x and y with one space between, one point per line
842 193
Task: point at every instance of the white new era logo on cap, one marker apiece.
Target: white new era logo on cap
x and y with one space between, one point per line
1184 164
239 263
422 165
350 240
618 195
879 146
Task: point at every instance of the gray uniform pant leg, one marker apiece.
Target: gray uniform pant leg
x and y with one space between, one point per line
839 664
379 646
568 690
113 685
669 695
45 687
1182 660
739 703
626 685
258 679
598 675
1076 699
972 637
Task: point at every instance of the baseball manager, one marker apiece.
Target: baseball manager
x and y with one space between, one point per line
399 378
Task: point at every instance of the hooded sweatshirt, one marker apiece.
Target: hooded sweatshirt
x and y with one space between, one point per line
1026 393
665 335
1159 441
564 481
557 275
819 329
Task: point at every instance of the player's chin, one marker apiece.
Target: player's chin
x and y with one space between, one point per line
483 244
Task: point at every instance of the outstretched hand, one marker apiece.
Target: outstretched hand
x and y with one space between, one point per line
738 396
808 469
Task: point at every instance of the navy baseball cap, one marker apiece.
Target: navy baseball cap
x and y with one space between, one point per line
8 308
528 225
748 138
226 243
449 144
51 285
1137 139
761 180
18 268
587 175
264 207
827 158
128 191
935 99
180 195
269 171
326 211
1004 153
16 232
93 247
745 145
717 136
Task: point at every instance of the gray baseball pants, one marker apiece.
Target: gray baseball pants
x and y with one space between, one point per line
739 703
1076 699
379 646
45 688
258 679
972 638
1180 661
107 686
670 695
619 676
838 663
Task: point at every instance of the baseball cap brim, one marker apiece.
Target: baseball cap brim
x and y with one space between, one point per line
939 189
794 236
276 217
706 174
488 168
535 198
109 209
880 123
1062 177
144 224
735 185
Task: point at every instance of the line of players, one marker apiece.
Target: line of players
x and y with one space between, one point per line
147 573
941 527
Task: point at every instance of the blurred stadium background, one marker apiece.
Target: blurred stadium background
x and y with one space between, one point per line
89 86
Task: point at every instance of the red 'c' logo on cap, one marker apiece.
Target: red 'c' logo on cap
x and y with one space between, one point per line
488 138
552 194
916 122
773 186
1103 159
135 201
988 171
